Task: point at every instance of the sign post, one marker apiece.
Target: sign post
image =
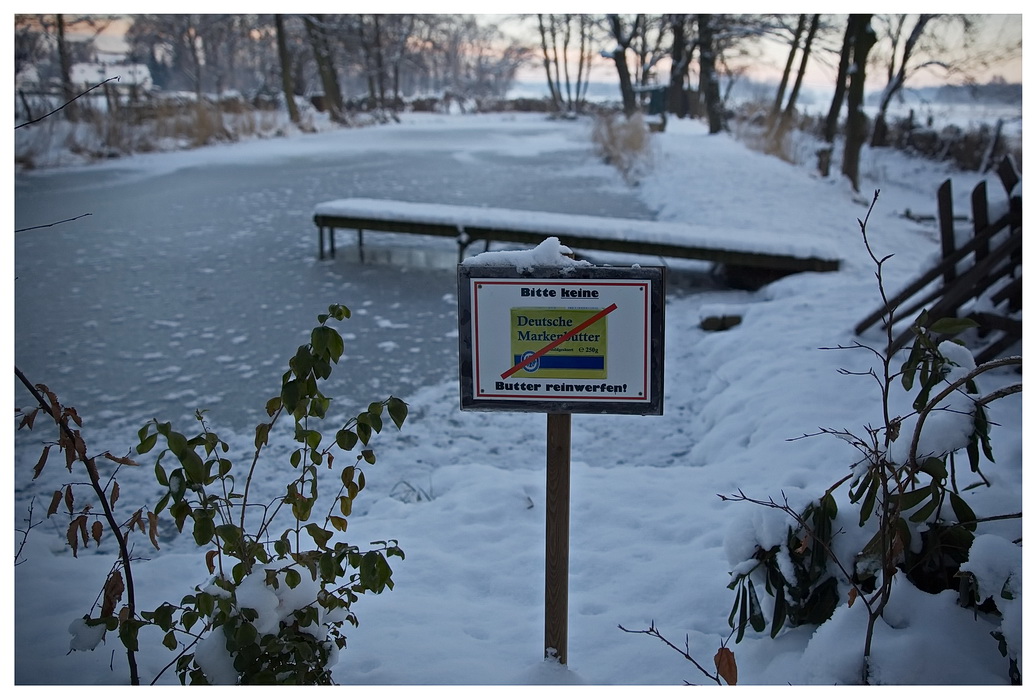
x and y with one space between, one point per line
555 585
561 340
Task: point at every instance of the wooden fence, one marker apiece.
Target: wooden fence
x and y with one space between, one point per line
987 266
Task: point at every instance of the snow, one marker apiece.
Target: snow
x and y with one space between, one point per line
549 253
651 542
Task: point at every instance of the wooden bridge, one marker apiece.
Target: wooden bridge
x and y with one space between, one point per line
764 253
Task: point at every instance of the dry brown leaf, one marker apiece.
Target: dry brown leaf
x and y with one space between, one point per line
43 460
726 666
113 590
121 460
152 520
28 419
54 503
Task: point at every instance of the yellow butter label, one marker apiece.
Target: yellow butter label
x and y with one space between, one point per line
580 355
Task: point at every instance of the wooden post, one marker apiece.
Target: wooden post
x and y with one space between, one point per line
555 620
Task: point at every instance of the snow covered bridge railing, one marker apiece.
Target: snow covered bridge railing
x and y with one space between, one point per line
764 252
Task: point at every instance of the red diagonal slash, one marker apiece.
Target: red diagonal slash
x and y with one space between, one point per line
581 327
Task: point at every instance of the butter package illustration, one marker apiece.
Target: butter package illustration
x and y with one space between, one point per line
582 355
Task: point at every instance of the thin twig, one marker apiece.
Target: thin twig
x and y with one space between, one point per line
63 221
39 119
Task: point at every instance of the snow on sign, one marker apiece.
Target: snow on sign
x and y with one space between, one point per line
562 339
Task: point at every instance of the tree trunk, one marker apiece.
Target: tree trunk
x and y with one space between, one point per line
68 92
831 124
555 94
681 55
856 121
709 82
824 154
629 99
788 114
585 59
286 78
325 67
786 75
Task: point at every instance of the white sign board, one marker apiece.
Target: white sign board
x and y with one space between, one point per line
583 340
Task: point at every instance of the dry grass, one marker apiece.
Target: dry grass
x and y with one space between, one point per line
623 143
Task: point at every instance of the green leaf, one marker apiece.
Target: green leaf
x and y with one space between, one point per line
926 511
912 499
368 456
335 345
319 535
318 338
246 634
292 577
262 434
318 406
180 510
363 431
755 615
963 512
193 467
345 439
952 326
230 534
869 500
742 621
397 411
128 629
780 611
935 467
312 439
371 419
147 443
204 528
290 393
282 547
169 641
273 405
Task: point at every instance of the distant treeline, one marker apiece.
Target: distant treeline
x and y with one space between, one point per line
996 92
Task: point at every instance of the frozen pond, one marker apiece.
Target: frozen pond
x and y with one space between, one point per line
193 280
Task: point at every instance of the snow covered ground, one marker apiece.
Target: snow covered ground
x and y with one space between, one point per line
650 538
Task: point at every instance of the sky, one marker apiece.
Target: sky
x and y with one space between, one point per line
820 72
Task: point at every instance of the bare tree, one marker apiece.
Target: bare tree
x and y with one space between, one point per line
897 74
709 80
323 54
856 121
681 53
556 38
788 114
623 40
287 82
796 37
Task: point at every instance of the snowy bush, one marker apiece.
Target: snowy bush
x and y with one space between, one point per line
281 582
909 522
